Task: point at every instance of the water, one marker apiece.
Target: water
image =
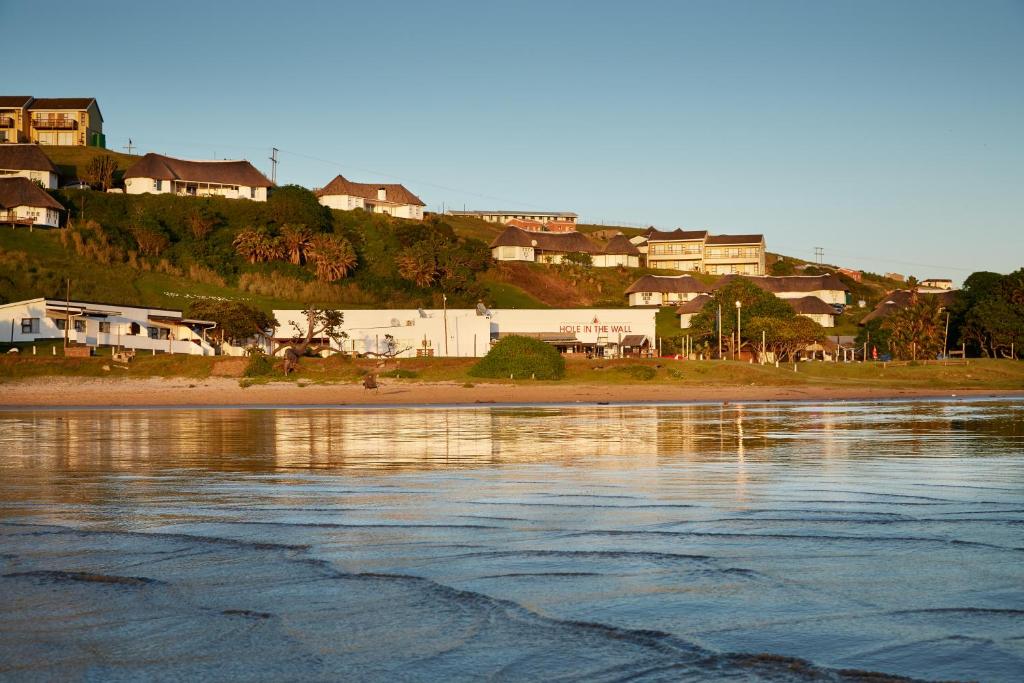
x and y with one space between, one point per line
694 542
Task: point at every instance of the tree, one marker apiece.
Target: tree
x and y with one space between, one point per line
297 205
150 239
916 331
989 315
201 222
418 263
296 240
783 337
237 322
332 256
320 325
257 246
756 303
100 171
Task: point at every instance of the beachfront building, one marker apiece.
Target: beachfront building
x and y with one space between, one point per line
665 290
676 249
619 252
28 161
539 221
737 254
391 199
65 121
14 118
159 174
23 202
88 325
515 244
409 333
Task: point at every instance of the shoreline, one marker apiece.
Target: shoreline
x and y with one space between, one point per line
217 392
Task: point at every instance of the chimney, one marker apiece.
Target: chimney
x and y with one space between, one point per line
382 194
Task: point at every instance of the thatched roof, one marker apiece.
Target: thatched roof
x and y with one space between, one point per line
811 305
160 167
676 284
620 244
23 192
393 192
900 298
25 158
695 305
789 283
564 242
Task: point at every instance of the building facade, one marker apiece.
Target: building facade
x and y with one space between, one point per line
87 324
665 290
391 199
697 251
28 161
515 244
553 221
23 202
158 174
65 121
618 253
734 254
14 115
676 250
828 288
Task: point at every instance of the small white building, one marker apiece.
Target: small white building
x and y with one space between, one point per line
618 252
467 332
516 244
93 325
691 308
28 161
828 288
932 284
554 221
665 290
814 308
234 179
23 202
391 199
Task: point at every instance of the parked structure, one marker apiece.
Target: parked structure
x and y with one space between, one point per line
515 244
697 251
68 121
86 324
470 332
553 221
391 199
23 202
159 174
618 252
28 161
665 290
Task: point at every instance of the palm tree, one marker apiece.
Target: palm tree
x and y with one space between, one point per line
295 239
258 246
332 256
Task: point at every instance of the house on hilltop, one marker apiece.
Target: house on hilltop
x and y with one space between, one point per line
828 288
66 121
618 252
23 202
159 174
676 249
14 118
739 254
28 161
391 199
665 290
548 221
515 244
700 252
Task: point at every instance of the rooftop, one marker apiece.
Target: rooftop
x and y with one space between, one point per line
395 193
23 192
25 158
228 172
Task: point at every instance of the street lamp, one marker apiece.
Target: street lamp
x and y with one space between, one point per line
739 342
444 302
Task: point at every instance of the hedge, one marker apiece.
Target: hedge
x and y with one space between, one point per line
520 358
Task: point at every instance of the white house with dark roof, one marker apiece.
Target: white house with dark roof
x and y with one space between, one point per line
28 161
23 202
553 221
665 290
828 288
88 324
515 244
159 174
391 199
619 252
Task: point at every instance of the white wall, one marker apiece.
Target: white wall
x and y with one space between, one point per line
613 260
147 186
45 217
49 180
512 253
829 296
344 202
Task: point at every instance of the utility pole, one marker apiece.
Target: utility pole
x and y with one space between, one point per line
67 313
719 331
129 146
273 164
444 302
819 255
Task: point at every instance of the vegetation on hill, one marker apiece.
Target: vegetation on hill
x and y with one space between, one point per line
73 162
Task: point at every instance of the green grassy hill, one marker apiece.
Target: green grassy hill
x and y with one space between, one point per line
71 162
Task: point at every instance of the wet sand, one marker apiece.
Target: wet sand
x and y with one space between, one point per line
227 392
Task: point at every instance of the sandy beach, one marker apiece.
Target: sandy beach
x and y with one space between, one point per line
70 392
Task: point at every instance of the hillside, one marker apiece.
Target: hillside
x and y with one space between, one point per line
71 162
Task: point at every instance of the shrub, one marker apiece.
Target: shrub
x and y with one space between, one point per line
520 357
259 364
640 372
400 374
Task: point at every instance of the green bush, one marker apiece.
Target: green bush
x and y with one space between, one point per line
399 373
640 372
520 358
259 365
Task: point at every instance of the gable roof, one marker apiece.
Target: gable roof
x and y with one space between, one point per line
694 305
160 167
675 284
9 101
395 193
565 242
790 283
62 102
675 235
25 158
900 298
810 305
23 192
620 244
735 239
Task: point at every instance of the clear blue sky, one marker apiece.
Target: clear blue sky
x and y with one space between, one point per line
889 133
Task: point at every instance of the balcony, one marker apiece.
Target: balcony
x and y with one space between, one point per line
55 123
6 122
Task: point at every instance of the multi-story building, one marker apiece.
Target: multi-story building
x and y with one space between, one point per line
72 121
391 199
676 250
697 251
28 161
158 174
553 221
734 254
23 202
14 118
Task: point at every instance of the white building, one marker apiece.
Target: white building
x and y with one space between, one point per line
23 202
467 332
28 161
619 252
932 284
828 288
555 221
516 244
158 174
44 321
814 308
665 290
391 199
691 308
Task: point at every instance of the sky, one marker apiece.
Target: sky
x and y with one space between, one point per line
889 133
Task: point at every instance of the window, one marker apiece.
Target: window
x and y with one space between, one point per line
153 332
30 325
105 328
252 193
79 326
61 323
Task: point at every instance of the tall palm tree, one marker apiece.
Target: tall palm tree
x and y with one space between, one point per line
257 246
296 239
332 256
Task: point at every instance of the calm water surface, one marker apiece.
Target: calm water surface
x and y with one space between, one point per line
696 542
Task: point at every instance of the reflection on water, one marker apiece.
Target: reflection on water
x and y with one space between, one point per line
585 542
